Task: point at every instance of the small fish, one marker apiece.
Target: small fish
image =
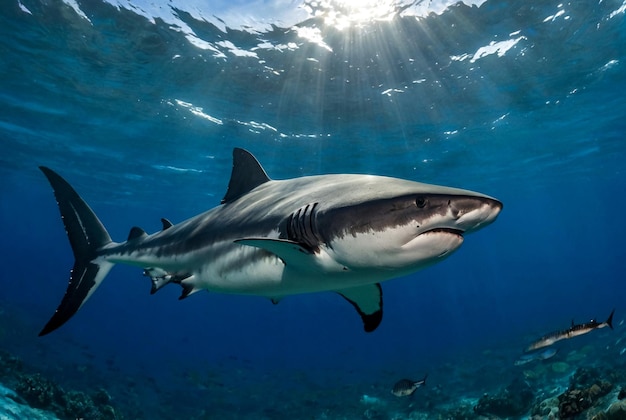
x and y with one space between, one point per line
573 331
539 355
406 387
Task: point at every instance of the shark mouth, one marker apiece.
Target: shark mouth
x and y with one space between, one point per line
436 243
449 231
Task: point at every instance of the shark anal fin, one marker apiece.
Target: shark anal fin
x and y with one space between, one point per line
247 174
289 252
368 301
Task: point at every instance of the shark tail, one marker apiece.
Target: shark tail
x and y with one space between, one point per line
87 236
609 321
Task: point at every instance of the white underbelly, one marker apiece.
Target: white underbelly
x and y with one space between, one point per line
240 269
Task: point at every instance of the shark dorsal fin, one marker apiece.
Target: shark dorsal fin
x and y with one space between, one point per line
166 223
136 233
247 174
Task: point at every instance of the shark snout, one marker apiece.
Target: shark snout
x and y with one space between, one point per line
473 213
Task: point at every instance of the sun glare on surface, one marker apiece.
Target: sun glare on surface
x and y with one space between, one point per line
345 13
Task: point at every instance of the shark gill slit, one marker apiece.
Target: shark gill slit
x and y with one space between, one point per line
302 228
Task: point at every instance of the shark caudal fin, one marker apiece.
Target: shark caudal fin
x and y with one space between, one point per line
87 235
609 321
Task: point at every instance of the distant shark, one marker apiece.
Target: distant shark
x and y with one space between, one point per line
574 331
342 233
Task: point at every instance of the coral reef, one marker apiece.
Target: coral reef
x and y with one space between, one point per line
586 388
40 392
81 405
617 411
546 409
513 401
585 377
575 401
13 407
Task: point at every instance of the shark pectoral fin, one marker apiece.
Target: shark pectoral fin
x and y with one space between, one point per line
368 301
290 252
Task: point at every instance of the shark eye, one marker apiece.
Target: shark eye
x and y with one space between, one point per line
420 202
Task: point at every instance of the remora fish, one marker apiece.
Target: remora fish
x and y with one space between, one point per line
573 331
342 233
406 387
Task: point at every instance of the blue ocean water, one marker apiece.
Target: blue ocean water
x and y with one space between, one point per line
139 105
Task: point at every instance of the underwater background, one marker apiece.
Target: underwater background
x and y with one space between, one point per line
138 104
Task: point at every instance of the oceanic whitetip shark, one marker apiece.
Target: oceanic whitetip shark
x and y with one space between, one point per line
274 238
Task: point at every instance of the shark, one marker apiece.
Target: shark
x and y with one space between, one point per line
574 331
344 233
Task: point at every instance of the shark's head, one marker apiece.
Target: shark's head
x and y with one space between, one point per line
400 233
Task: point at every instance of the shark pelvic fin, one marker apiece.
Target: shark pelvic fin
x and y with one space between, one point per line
160 278
87 236
188 287
247 174
368 301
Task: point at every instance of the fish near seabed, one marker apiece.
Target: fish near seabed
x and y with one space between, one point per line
407 387
274 238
